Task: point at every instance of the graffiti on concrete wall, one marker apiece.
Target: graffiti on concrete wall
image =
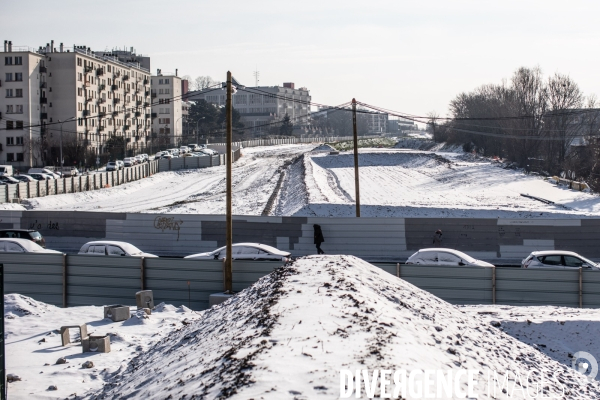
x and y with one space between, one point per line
168 224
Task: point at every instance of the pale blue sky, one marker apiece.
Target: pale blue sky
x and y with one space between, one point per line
412 57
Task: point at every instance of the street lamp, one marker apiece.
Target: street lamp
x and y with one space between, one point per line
61 130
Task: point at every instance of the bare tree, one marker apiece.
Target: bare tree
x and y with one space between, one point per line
202 82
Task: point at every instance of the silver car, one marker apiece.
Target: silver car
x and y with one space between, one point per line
112 248
245 251
442 256
557 259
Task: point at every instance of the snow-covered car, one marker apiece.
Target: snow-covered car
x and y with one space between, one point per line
166 155
158 154
442 256
24 178
184 149
9 179
245 251
557 259
199 154
210 152
40 177
112 248
46 171
14 245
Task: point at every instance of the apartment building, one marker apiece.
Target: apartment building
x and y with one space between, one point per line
89 97
167 109
262 105
22 105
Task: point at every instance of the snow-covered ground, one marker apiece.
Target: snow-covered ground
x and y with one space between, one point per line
411 183
289 336
198 191
439 182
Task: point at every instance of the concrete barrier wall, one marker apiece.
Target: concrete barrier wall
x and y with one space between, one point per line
73 280
383 239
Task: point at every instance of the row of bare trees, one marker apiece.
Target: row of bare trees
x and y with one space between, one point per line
537 122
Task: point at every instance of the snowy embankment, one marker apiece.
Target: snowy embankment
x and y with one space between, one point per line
288 336
411 183
198 191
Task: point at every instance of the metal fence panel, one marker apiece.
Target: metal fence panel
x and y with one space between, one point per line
177 163
537 287
35 275
168 279
102 280
245 273
163 165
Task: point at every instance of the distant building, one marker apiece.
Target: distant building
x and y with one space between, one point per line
99 97
262 105
167 109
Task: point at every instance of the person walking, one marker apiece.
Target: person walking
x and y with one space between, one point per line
319 238
437 238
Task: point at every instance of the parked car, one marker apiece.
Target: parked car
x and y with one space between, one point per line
145 157
40 177
193 147
245 251
120 164
6 170
112 248
128 161
29 234
174 152
210 152
184 149
441 256
159 154
112 166
8 179
24 178
43 171
67 171
557 259
14 245
199 154
166 155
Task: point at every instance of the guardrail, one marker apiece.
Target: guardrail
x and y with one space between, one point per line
78 280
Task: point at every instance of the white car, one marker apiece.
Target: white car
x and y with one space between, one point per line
557 259
245 251
449 257
210 152
120 164
129 161
184 149
43 171
112 248
112 166
13 245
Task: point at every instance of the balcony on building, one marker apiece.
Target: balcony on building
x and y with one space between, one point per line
146 93
43 70
115 113
146 104
88 68
154 115
138 114
146 81
153 94
102 87
138 103
125 127
43 85
114 87
127 115
86 113
100 128
44 115
100 71
43 100
101 100
101 114
125 77
117 100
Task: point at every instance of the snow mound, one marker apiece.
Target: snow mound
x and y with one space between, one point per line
289 335
17 305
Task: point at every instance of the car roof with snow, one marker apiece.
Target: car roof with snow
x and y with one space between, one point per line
555 253
446 250
25 243
128 247
261 246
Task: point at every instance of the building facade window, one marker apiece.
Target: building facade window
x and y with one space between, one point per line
18 76
8 60
9 93
9 109
18 60
20 126
10 157
9 77
18 92
20 157
10 141
19 140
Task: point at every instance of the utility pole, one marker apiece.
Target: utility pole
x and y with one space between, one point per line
356 186
229 252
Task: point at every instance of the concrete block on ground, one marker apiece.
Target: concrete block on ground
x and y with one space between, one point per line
144 299
65 336
96 344
218 298
117 312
